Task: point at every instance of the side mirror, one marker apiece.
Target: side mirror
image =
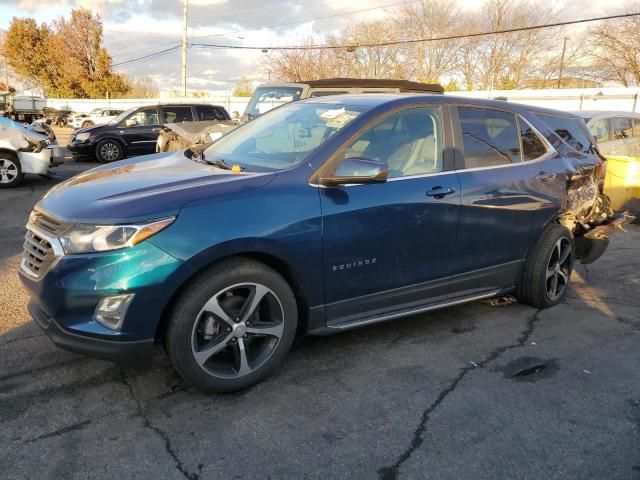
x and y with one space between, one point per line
131 122
357 171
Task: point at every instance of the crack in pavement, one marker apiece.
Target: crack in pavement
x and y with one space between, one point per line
61 431
162 434
391 472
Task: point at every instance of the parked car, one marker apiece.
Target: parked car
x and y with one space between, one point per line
98 116
321 216
59 118
133 132
26 150
617 133
270 95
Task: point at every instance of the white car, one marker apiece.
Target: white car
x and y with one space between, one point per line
99 116
23 150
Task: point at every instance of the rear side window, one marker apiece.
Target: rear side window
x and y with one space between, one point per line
207 112
570 131
636 128
621 127
490 137
176 114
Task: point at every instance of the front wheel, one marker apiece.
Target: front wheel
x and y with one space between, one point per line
87 123
109 151
232 327
10 171
548 268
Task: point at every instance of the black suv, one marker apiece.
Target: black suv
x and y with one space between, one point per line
135 131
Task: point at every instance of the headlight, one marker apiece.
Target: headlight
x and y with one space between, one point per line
102 238
83 137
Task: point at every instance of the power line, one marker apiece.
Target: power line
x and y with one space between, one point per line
396 42
421 40
156 54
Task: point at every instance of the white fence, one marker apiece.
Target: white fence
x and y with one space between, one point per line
619 99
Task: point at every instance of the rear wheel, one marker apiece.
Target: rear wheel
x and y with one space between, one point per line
548 268
10 171
232 326
109 151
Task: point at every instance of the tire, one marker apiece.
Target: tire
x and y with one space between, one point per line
547 269
10 171
87 123
109 151
217 341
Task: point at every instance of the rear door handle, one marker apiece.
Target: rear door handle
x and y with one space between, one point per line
440 192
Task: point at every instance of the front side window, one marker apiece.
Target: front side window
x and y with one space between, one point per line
490 137
600 130
284 138
409 142
570 131
636 128
621 127
268 98
176 114
146 117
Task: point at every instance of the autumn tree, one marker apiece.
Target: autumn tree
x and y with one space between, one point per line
66 58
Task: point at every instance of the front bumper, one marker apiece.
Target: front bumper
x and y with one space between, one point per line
63 300
81 149
135 354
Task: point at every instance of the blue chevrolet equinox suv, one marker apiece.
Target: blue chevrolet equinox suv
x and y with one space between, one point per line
320 216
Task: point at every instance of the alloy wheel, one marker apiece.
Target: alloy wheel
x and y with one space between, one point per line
237 330
8 170
558 268
110 152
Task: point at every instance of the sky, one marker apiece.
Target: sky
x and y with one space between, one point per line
133 28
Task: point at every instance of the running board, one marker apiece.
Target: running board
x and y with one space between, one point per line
340 327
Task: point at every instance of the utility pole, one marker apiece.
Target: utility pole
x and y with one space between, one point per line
564 48
185 17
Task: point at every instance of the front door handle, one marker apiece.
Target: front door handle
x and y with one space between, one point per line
440 192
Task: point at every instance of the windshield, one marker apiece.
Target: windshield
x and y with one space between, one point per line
283 138
268 98
122 116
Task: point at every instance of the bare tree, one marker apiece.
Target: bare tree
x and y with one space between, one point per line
429 19
143 87
303 64
616 55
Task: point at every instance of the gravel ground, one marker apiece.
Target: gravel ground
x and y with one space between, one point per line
475 391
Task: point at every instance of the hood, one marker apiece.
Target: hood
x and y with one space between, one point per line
94 128
143 188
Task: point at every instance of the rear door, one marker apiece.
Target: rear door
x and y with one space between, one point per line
141 138
511 187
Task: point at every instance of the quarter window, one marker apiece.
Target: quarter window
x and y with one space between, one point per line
490 137
600 130
570 131
532 146
409 142
621 127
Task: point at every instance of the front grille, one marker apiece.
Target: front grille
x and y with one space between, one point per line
38 255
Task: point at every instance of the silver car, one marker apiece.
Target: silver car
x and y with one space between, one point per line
617 133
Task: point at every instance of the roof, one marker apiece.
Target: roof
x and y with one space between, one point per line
405 85
604 113
372 100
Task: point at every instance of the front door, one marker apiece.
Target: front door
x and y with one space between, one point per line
141 138
388 246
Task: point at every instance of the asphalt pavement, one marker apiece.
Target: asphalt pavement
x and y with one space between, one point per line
478 391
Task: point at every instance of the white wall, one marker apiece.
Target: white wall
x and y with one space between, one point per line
620 99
